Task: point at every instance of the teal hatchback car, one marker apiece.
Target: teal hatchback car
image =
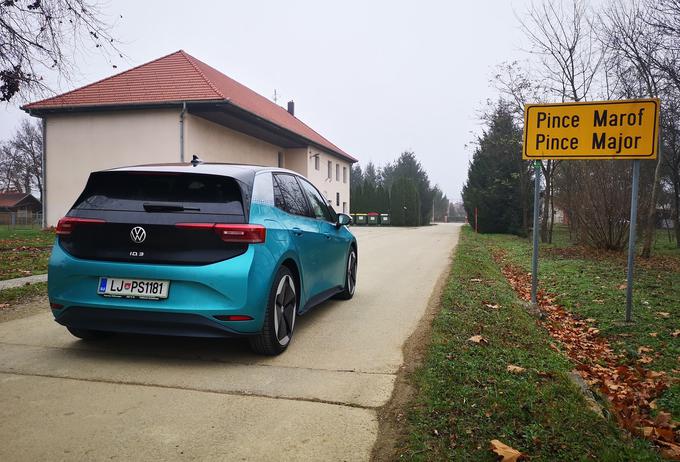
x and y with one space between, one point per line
199 249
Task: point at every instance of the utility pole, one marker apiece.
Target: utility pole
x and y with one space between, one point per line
276 96
433 210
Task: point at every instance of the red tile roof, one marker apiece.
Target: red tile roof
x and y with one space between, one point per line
179 77
10 199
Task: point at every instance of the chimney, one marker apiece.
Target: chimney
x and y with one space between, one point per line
291 107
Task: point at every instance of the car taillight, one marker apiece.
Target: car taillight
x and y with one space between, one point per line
66 225
236 233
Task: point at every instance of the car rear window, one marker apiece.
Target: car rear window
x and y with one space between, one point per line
161 192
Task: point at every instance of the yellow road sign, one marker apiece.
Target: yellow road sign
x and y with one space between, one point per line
626 129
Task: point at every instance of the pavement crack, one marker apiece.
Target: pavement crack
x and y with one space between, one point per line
197 390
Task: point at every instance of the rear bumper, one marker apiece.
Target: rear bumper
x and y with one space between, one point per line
143 322
238 286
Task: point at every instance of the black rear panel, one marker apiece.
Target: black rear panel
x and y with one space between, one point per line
156 202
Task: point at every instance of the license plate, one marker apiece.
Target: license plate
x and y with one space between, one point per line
133 288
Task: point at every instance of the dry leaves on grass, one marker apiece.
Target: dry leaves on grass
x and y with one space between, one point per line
663 314
631 389
505 452
478 339
515 369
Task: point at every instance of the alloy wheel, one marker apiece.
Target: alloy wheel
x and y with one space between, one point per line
285 308
352 272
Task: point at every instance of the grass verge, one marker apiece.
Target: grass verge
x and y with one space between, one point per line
592 285
466 397
24 251
22 294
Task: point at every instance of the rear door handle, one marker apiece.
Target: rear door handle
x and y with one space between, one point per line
297 231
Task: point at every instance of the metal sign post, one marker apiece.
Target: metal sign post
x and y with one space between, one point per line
534 258
614 130
631 240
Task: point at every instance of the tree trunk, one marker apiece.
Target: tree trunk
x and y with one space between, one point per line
547 192
650 226
676 210
552 219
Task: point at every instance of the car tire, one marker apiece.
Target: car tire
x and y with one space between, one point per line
279 320
350 276
87 334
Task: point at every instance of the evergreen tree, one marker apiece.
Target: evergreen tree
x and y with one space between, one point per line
493 185
405 202
407 166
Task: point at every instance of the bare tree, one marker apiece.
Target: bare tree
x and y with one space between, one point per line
21 160
39 36
634 45
566 44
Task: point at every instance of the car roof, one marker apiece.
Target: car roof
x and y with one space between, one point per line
243 172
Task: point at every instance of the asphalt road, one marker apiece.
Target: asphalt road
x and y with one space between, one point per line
142 398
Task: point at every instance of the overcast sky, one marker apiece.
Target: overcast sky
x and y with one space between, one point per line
376 78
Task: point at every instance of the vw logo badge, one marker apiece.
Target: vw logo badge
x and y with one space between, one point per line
138 234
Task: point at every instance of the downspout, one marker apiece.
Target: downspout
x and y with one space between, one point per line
181 131
43 193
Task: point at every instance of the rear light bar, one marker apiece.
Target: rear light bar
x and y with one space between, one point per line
233 317
238 233
66 225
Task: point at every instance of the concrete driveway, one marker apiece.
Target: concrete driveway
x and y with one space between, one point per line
141 398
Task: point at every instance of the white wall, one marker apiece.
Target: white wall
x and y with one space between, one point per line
215 143
78 144
330 187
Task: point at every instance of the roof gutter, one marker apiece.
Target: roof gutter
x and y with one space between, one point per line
181 131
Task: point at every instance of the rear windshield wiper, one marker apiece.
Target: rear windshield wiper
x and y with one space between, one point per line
159 207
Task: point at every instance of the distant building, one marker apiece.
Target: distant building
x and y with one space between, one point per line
167 110
19 208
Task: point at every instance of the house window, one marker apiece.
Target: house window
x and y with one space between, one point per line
344 207
337 173
344 174
316 162
330 170
337 199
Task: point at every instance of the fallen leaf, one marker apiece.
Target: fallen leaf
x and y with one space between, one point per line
478 339
494 307
475 280
644 349
622 286
507 453
663 314
675 333
670 450
653 334
591 320
515 369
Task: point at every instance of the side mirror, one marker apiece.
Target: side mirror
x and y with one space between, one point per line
343 220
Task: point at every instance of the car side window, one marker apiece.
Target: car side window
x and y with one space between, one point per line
316 201
288 196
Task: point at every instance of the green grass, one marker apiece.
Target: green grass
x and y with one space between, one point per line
465 397
22 294
24 251
592 285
